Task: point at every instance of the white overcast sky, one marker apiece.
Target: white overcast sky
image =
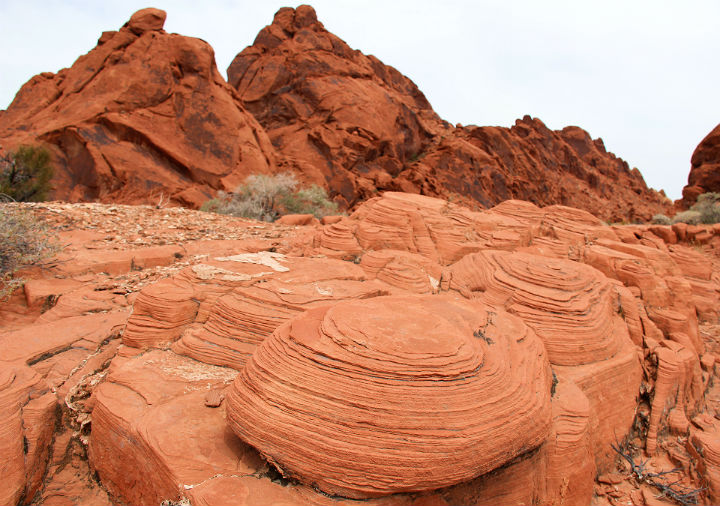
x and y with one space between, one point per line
643 75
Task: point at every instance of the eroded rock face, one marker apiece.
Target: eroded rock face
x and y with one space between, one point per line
145 117
704 169
373 397
528 161
144 113
348 122
342 119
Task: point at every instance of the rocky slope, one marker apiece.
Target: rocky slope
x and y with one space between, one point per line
146 113
415 352
348 121
704 170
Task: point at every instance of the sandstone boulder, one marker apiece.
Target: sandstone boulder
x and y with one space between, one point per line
371 397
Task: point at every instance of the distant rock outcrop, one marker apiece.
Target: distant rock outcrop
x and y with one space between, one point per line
144 113
704 170
342 118
346 120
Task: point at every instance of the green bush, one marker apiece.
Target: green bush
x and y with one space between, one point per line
705 211
24 241
266 198
313 200
660 219
25 174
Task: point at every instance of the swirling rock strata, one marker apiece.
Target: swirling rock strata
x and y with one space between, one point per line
27 412
568 304
241 320
438 230
369 398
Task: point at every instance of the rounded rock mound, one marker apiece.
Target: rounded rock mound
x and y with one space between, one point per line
394 394
568 304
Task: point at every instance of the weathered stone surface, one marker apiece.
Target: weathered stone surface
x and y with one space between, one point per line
704 173
624 319
135 454
143 117
26 424
350 123
371 398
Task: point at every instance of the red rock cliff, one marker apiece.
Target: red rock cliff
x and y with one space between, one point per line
704 170
346 120
144 113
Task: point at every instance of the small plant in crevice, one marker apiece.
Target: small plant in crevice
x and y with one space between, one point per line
705 211
668 483
660 219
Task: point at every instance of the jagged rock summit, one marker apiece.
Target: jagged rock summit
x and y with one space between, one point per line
147 113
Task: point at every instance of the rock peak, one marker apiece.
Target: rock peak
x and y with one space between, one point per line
146 20
292 20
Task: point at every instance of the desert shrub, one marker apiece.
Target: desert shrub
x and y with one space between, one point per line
25 174
660 219
313 200
708 205
706 210
266 198
24 241
690 217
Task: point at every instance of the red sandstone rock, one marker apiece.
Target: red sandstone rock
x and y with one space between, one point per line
142 117
704 173
146 117
148 416
335 114
26 424
531 162
372 398
345 120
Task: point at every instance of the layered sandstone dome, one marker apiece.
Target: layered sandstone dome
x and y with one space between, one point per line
394 394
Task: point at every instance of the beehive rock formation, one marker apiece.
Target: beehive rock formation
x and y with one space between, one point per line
144 114
704 169
119 361
373 398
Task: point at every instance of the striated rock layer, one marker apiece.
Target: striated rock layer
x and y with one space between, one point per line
373 397
144 113
452 357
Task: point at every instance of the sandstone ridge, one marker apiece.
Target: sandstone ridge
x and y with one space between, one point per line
145 117
704 174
